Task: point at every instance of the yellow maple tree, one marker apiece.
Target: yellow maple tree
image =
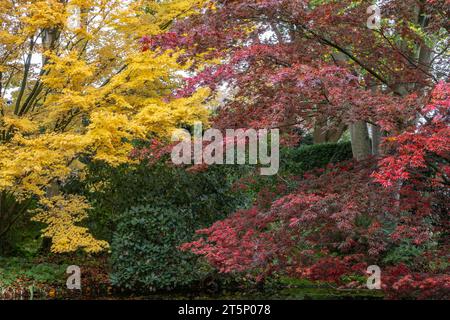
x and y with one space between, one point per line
74 82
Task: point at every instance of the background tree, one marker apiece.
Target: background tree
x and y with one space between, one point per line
316 66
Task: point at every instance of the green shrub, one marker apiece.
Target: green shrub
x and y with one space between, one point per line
406 253
305 158
20 269
145 254
147 211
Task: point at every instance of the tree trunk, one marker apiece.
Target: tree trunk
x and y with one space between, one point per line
319 134
360 140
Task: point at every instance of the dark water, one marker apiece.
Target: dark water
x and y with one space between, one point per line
280 293
283 294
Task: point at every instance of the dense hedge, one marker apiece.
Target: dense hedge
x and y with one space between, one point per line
305 158
147 211
145 253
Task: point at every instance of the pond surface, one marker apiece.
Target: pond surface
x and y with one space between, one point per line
311 293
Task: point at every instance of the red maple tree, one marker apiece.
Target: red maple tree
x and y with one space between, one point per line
316 65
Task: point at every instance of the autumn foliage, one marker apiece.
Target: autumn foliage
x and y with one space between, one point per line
302 64
109 91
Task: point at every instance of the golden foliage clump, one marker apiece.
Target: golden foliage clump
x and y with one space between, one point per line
75 83
61 213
